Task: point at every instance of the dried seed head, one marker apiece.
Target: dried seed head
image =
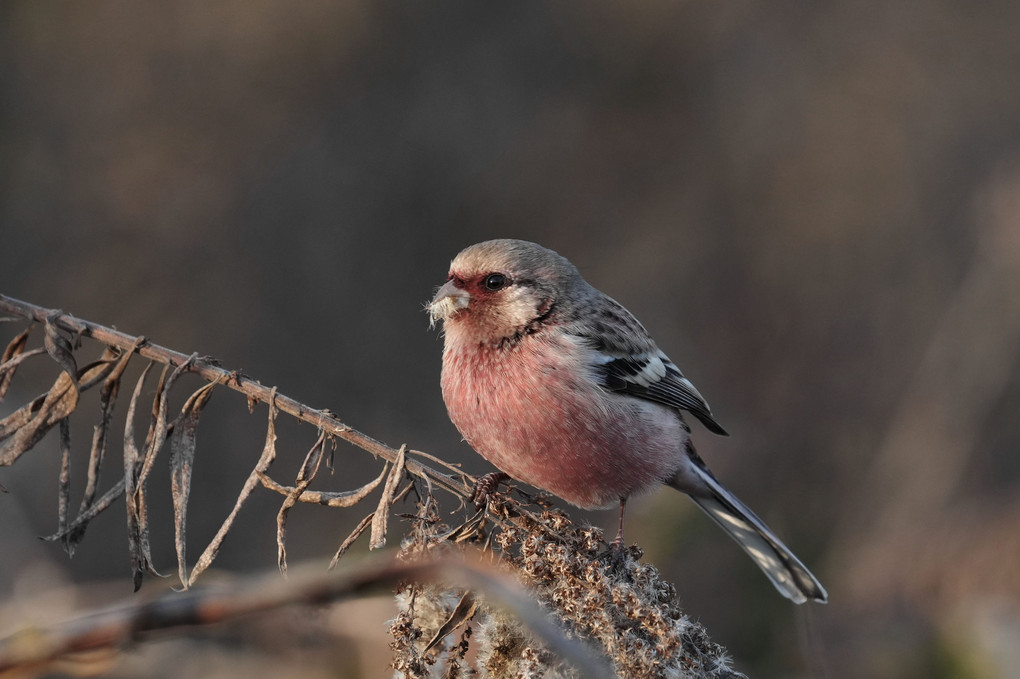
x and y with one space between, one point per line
628 611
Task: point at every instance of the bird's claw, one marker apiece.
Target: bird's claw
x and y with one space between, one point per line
485 487
617 555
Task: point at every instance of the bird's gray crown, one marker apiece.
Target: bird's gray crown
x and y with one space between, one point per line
518 258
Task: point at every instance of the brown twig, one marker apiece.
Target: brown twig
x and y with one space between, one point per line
120 625
208 370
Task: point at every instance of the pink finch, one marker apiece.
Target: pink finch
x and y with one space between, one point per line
559 386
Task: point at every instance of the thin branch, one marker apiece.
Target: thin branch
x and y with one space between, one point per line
118 626
210 371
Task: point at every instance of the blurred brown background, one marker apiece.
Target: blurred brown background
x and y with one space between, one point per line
814 208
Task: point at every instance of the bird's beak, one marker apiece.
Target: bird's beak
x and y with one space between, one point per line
449 300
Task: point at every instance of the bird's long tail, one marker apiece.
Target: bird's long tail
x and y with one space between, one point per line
787 573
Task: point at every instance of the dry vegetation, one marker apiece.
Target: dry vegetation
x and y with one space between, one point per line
458 616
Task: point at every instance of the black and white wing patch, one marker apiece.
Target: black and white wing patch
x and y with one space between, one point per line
625 360
653 376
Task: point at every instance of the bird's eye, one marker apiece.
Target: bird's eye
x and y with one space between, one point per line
495 281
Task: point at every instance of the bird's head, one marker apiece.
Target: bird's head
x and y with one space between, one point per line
501 289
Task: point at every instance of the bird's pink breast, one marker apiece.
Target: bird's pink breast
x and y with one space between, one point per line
534 412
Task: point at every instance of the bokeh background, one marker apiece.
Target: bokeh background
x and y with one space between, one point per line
814 208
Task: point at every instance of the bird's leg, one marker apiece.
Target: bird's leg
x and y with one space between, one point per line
617 542
485 486
617 554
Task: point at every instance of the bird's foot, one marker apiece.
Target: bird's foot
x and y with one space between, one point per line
617 554
616 557
485 487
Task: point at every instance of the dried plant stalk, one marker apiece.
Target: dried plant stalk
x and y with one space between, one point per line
115 627
210 371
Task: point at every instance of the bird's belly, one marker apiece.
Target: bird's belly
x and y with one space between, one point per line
533 415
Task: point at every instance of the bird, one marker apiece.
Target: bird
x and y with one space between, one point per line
561 387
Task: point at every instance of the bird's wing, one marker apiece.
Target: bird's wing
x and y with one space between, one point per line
625 360
654 377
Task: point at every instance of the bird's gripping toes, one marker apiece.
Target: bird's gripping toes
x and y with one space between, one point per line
561 387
